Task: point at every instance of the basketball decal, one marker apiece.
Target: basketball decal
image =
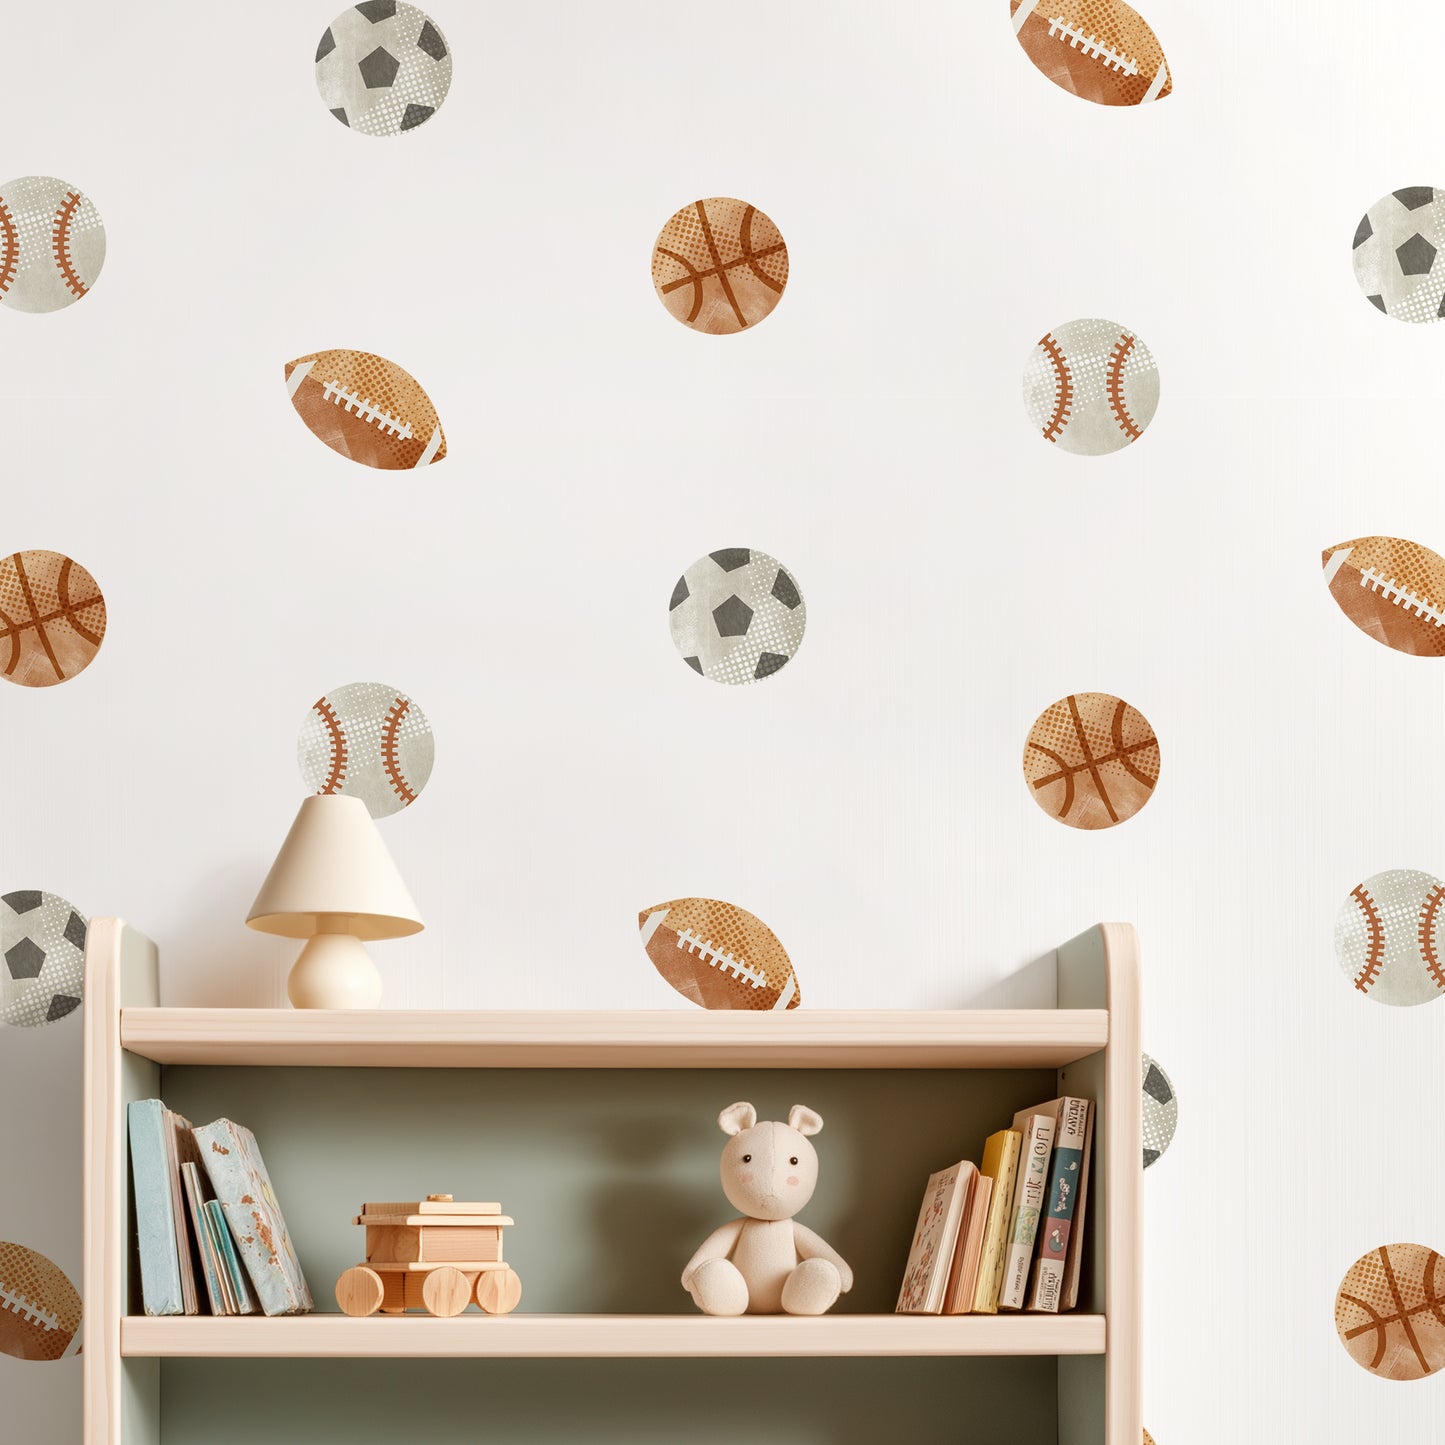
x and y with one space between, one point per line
1091 760
1390 1312
39 1308
1148 1438
368 741
737 616
1099 50
367 408
1390 937
720 265
52 244
1392 590
1397 254
719 955
42 957
1091 387
52 618
383 67
1160 1109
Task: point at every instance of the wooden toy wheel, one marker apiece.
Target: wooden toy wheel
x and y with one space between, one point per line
359 1291
446 1291
499 1291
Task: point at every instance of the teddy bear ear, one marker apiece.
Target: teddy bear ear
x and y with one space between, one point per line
737 1117
804 1120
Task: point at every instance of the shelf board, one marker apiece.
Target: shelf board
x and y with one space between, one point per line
614 1336
653 1039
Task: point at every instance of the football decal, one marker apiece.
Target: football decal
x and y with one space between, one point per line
1397 254
366 408
1390 1312
52 618
1091 387
1091 760
1392 590
1099 50
39 1308
368 741
1160 1109
737 616
42 957
1388 937
720 265
52 244
719 955
383 68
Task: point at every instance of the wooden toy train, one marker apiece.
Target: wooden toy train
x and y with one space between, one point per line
437 1255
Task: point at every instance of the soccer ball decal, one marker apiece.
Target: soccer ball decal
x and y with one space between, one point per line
383 67
737 615
1397 254
42 957
1160 1109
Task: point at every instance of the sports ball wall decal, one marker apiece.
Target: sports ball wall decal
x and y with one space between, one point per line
719 955
720 265
368 741
1390 1312
39 1308
1388 937
367 408
1091 760
52 244
737 615
42 957
1397 254
1392 590
383 67
52 618
1160 1108
1091 387
1099 50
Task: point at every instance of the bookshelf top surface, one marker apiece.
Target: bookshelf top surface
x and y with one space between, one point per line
940 1038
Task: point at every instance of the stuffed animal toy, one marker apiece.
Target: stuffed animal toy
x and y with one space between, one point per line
766 1262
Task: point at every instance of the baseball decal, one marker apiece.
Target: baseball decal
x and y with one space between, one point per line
719 955
737 615
1091 387
1091 760
1388 937
369 741
366 408
1396 253
52 618
39 1308
1099 50
42 957
52 244
1390 1312
1160 1109
1392 590
383 67
720 265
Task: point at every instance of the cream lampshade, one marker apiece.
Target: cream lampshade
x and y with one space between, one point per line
334 883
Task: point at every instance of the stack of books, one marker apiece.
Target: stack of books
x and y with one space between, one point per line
1007 1234
205 1207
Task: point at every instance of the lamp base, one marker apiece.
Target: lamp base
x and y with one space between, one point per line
334 970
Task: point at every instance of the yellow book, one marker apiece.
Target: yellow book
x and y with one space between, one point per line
1000 1163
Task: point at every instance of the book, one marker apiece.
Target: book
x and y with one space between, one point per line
1074 1263
935 1237
180 1146
1031 1185
1066 1182
1000 1164
194 1182
258 1229
242 1296
162 1292
963 1282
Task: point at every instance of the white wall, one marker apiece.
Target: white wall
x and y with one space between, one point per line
943 206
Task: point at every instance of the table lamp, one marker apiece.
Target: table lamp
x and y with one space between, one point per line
334 884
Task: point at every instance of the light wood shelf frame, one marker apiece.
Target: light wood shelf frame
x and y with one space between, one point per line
1092 1039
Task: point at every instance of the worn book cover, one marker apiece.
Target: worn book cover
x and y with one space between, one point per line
1066 1182
238 1176
1000 1164
1033 1181
935 1237
963 1281
162 1291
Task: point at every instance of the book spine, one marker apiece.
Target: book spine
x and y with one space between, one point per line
1073 1265
1000 1163
1065 1182
160 1264
241 1290
1028 1202
176 1126
210 1266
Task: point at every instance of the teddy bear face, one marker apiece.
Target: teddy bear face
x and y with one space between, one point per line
769 1171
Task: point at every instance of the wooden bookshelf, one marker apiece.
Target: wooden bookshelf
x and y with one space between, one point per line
1092 1038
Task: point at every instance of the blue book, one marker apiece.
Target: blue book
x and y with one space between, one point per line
155 1212
240 1284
